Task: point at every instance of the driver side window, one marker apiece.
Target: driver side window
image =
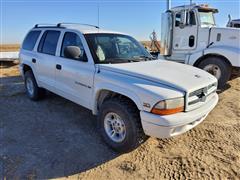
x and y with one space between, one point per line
190 16
192 19
72 39
177 19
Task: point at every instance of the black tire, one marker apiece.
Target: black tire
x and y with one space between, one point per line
224 67
131 118
37 92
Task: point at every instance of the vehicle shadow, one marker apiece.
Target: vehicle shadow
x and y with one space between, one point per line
235 74
47 139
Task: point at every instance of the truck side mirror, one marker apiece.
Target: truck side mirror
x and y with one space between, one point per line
72 52
183 21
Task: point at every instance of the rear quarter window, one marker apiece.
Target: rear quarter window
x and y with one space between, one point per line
30 40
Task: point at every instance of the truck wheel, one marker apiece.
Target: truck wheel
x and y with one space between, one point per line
217 67
33 91
120 126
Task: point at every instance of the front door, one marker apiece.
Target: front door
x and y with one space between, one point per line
185 37
74 77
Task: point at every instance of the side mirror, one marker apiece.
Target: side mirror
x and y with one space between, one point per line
72 52
183 21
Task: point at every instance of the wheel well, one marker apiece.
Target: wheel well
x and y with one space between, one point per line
202 58
107 94
26 68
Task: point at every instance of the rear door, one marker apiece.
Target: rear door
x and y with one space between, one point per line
46 60
74 77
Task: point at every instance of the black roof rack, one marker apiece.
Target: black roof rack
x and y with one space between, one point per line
61 25
44 25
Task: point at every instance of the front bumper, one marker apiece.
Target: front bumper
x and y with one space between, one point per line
175 124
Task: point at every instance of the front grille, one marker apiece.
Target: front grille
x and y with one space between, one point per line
200 96
198 92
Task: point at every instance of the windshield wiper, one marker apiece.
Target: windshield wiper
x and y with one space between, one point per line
126 60
207 23
117 60
144 57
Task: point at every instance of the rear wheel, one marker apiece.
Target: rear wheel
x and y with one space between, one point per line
33 91
119 124
218 67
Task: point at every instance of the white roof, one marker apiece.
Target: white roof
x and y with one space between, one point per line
92 30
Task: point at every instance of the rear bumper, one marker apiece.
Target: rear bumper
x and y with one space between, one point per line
176 124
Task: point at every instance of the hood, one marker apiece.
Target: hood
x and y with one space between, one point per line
179 76
225 36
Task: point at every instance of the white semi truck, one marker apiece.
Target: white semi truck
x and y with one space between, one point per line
189 35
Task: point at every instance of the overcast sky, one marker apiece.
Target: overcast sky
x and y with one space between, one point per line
135 17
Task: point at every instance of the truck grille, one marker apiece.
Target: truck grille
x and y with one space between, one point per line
200 96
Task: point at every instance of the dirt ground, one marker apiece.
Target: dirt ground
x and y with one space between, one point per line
55 138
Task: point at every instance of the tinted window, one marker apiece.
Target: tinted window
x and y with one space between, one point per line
72 39
236 25
30 40
48 43
116 48
192 19
40 45
177 19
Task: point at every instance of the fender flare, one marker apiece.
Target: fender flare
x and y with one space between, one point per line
229 55
116 89
33 70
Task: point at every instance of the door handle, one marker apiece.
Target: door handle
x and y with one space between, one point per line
34 60
58 66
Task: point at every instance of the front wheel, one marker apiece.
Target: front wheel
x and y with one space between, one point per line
218 67
119 124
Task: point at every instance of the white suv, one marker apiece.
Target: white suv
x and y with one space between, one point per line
111 74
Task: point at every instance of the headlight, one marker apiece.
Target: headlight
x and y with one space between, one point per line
169 106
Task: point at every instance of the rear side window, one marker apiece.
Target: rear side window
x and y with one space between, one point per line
30 40
48 43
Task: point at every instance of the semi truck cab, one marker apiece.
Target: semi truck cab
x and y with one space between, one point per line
189 35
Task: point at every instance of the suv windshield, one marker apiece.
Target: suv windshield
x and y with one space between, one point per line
116 48
206 18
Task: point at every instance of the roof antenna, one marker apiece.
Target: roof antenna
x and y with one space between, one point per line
98 14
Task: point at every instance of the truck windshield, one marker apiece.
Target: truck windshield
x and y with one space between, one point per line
206 18
116 48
